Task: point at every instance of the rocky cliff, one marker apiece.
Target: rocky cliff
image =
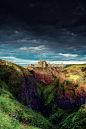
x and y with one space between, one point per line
67 90
45 74
21 84
70 91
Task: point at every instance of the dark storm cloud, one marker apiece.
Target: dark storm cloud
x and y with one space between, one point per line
50 36
49 30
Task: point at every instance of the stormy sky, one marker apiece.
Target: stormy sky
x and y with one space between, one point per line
51 30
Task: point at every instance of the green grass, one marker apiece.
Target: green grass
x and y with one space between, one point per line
48 88
41 85
7 122
12 75
68 82
75 119
51 97
75 66
10 106
56 82
54 76
39 91
49 94
13 114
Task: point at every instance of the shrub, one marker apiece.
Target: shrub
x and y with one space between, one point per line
83 69
76 85
68 82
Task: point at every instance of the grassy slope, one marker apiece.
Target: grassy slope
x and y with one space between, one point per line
70 119
8 103
10 106
12 74
66 118
76 120
50 90
78 73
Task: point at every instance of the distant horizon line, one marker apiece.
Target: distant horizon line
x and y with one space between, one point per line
51 64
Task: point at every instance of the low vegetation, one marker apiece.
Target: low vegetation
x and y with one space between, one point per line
15 115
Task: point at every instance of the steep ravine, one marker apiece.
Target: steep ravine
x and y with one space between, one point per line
29 95
35 99
69 98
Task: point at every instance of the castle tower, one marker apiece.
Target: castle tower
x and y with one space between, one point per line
40 64
61 63
49 65
44 64
53 64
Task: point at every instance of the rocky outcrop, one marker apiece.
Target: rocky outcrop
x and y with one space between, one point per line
67 96
43 75
73 95
44 78
29 95
22 85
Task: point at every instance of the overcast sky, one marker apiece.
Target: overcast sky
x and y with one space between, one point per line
39 30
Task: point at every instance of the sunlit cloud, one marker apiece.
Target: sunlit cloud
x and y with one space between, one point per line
42 47
18 60
26 62
68 55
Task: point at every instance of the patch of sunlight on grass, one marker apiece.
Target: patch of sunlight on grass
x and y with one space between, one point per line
76 66
16 68
74 77
26 71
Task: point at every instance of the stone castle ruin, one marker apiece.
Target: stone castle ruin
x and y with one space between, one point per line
44 64
60 65
31 64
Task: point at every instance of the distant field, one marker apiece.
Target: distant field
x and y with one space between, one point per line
75 65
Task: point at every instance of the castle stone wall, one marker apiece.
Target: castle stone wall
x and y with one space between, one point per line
44 64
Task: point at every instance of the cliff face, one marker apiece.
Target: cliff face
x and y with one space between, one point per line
21 84
61 89
68 98
45 75
69 88
29 93
68 92
18 83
